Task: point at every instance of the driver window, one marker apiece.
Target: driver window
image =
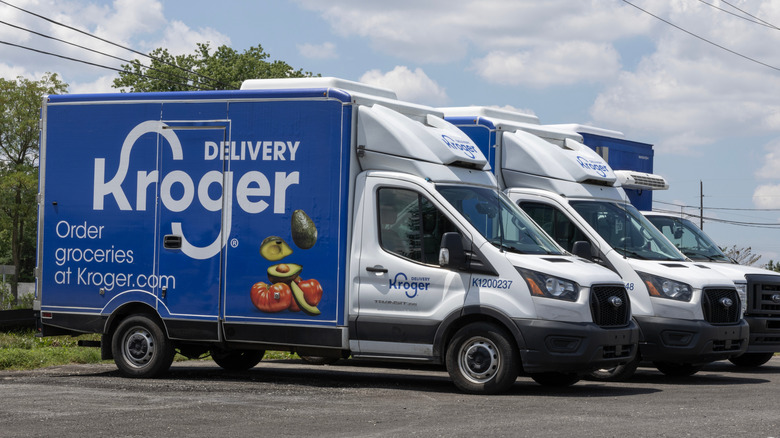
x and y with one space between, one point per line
410 225
555 223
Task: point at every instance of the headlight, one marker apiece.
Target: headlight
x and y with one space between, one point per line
742 292
665 288
543 285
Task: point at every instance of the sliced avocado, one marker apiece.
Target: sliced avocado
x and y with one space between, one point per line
304 232
284 273
274 248
297 294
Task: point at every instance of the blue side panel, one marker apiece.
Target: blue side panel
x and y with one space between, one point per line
222 172
626 155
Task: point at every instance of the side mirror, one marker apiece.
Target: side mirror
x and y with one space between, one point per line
582 249
451 253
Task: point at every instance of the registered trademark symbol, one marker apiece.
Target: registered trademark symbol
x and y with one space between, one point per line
234 243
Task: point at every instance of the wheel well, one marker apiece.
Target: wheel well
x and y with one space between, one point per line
449 328
131 309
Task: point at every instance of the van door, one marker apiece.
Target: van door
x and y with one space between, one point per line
404 294
193 208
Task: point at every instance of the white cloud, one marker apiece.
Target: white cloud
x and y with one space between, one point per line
99 85
413 86
771 162
767 196
564 63
180 39
318 51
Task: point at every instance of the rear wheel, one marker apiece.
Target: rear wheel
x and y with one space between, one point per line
555 379
237 360
751 359
140 347
677 369
482 359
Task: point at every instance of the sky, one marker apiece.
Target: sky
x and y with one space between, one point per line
697 79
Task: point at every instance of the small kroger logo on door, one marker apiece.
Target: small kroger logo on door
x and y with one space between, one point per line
411 286
460 146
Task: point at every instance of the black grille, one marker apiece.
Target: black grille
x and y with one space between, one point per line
603 301
720 306
763 295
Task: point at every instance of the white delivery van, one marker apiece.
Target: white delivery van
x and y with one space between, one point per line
688 314
761 287
319 216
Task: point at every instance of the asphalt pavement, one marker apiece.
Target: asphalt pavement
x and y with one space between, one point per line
360 399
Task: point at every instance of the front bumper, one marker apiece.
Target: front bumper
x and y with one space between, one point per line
690 342
556 346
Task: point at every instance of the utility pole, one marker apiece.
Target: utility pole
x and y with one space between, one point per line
701 205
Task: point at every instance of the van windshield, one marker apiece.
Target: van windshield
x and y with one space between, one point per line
689 239
626 230
500 221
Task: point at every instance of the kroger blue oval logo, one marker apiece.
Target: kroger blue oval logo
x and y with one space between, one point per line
599 167
410 286
460 146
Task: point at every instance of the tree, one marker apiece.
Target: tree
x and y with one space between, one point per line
772 266
743 256
20 102
224 69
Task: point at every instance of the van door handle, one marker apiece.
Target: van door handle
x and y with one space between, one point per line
377 268
172 241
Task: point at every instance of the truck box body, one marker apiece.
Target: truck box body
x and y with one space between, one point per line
319 216
575 196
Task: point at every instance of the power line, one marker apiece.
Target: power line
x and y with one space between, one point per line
92 63
94 51
699 37
718 208
751 15
113 44
755 20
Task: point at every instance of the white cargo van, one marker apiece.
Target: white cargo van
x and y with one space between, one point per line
319 216
688 314
761 287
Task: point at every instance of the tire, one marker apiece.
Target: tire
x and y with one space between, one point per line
751 360
555 379
237 360
617 374
482 359
140 348
677 369
319 360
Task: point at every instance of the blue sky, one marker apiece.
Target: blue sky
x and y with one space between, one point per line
712 116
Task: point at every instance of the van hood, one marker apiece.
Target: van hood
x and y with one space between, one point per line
568 267
697 275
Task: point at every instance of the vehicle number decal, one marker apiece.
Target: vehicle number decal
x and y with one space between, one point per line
491 283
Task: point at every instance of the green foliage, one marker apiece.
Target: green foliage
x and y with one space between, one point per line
220 69
772 266
24 351
743 256
20 102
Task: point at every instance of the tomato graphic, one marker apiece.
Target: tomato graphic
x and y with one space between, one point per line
271 299
312 291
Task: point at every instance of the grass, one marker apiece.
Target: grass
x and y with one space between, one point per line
23 351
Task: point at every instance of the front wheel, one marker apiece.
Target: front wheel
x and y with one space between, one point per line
677 369
482 359
751 360
141 348
237 360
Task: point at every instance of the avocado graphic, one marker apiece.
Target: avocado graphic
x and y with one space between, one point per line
274 248
284 273
304 232
297 294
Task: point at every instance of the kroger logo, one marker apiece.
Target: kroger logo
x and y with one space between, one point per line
599 167
410 287
459 146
